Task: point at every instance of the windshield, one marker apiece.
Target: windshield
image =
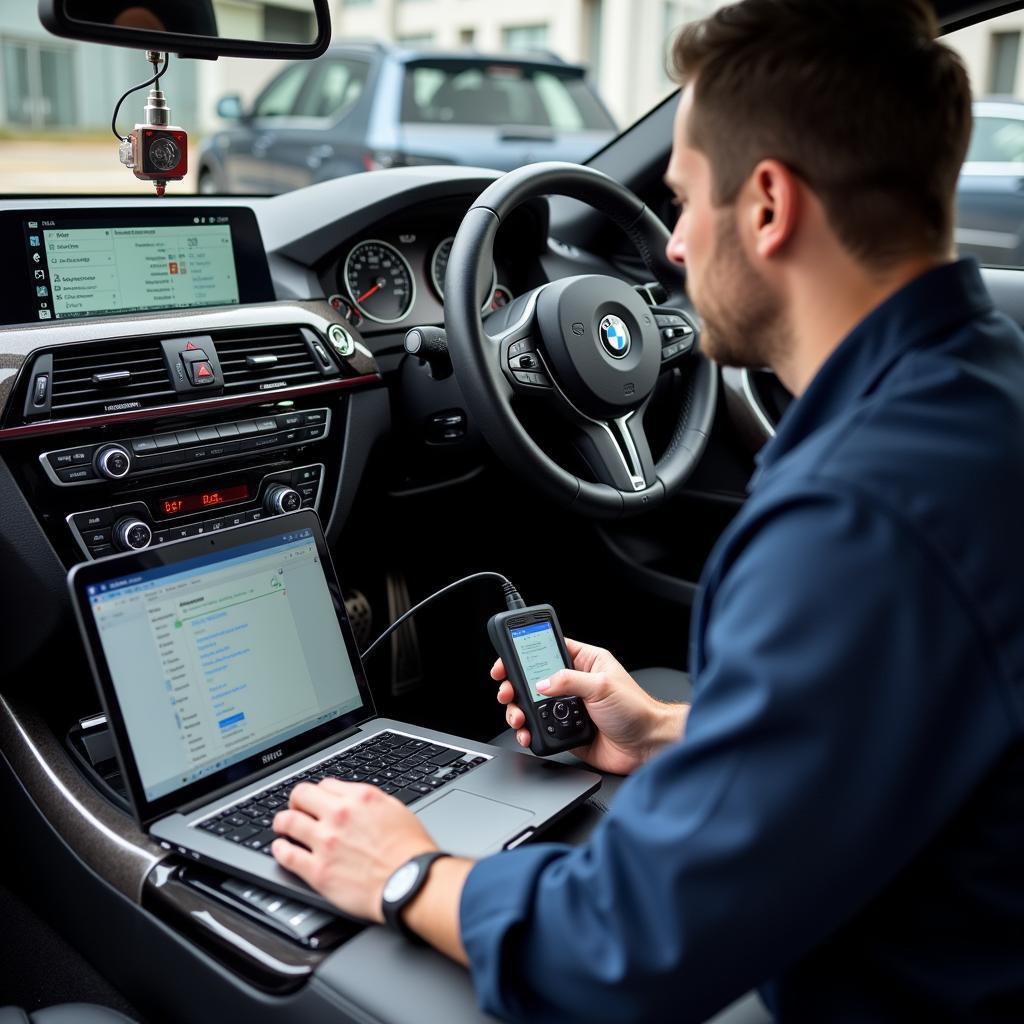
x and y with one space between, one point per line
419 82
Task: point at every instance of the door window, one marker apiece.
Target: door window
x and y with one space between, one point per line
278 99
334 91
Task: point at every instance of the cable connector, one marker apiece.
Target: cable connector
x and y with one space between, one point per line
512 598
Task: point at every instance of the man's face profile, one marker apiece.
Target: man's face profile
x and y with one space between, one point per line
742 314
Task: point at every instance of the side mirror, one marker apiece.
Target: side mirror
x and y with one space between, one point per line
189 28
230 107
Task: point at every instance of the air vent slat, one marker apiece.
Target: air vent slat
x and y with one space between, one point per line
85 372
295 363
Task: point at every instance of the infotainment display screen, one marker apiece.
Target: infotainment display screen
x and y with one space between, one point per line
89 262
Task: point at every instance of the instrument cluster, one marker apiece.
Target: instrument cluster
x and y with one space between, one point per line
389 280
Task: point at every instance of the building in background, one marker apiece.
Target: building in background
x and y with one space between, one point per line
992 53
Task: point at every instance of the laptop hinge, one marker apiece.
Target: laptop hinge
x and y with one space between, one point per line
234 787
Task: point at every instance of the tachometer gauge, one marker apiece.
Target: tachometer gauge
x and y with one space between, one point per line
501 296
379 281
342 305
439 267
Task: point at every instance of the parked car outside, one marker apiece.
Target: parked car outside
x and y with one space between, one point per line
369 106
990 194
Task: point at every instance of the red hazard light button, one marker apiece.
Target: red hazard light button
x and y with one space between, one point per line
201 373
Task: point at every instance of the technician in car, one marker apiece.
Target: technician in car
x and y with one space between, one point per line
842 823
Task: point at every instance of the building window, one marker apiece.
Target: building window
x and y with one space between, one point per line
417 42
38 84
524 37
1005 55
286 25
467 36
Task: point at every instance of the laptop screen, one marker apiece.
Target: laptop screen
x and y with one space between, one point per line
218 658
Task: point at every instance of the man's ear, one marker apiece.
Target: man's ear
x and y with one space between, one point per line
773 207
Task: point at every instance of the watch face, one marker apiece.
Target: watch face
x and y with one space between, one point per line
401 882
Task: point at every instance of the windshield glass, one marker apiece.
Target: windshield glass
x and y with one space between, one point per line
418 82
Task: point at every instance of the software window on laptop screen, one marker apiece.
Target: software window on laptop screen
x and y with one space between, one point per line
219 657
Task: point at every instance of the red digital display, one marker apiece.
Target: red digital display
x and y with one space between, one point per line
183 504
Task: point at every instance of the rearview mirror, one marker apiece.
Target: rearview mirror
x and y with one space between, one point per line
190 28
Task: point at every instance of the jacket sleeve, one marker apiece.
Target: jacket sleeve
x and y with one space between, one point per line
830 739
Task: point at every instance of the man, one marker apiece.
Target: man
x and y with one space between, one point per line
843 821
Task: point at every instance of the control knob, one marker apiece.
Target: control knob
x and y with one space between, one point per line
281 498
113 462
131 534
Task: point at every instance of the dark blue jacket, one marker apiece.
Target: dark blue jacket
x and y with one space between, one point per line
843 823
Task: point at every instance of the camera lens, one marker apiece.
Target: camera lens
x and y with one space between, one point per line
164 154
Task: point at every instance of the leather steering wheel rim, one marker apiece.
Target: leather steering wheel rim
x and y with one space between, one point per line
481 376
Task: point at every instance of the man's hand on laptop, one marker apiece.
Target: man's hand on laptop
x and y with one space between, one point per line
353 838
631 725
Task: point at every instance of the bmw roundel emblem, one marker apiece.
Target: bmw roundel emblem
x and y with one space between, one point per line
615 336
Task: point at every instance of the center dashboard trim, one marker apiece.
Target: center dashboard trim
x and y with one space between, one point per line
19 344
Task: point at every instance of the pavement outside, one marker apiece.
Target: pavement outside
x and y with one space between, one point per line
47 167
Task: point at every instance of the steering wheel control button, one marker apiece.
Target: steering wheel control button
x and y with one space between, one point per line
131 534
518 348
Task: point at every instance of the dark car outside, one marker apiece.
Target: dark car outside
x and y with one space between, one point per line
366 107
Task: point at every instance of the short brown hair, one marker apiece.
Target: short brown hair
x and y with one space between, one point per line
856 96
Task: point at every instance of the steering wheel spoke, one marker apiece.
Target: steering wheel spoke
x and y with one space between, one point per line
617 451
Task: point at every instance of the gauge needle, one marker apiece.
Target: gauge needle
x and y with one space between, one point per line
368 293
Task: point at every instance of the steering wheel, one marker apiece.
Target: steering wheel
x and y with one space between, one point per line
587 347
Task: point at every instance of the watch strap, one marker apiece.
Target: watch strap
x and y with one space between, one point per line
392 909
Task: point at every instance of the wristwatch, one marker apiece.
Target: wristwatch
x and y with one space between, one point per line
401 889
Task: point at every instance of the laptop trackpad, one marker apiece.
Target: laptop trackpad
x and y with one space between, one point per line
465 823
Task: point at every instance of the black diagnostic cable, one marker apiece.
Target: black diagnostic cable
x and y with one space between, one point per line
135 88
512 599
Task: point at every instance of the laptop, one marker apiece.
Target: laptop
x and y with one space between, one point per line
229 674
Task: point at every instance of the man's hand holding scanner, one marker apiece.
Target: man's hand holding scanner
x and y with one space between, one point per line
631 725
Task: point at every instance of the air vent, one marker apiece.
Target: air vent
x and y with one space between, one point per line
268 360
89 380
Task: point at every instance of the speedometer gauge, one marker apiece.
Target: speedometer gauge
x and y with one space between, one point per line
379 282
439 266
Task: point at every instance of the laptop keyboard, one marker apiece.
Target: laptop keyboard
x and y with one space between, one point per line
405 767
